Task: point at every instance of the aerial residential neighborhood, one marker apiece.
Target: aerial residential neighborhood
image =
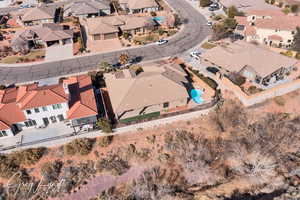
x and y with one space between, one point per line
150 99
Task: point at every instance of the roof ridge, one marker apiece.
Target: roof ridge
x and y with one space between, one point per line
127 93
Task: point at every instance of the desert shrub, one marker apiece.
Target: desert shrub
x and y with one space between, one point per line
113 163
161 31
153 14
105 141
28 156
104 125
8 166
297 56
279 101
51 170
82 146
205 3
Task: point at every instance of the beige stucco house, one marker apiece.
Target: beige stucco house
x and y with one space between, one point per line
111 27
139 6
158 88
272 28
254 62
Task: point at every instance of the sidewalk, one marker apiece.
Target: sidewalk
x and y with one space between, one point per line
132 129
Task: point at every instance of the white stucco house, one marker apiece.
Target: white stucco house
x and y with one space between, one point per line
272 28
35 105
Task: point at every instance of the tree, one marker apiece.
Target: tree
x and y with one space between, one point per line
296 44
205 3
295 8
232 11
230 23
123 59
104 125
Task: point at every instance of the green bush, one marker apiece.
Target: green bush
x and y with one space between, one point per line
104 125
161 31
287 53
140 117
297 56
212 83
205 3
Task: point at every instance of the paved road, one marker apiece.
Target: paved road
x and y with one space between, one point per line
193 33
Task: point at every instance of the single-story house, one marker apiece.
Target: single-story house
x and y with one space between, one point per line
45 35
139 6
110 27
155 89
87 8
254 62
37 105
41 15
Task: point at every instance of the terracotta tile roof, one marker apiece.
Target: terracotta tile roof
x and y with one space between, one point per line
275 37
250 30
265 13
3 125
43 96
82 103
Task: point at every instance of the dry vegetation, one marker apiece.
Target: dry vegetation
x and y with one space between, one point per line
231 154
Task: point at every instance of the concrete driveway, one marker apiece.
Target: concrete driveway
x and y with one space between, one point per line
59 52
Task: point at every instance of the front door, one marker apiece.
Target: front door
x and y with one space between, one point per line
46 121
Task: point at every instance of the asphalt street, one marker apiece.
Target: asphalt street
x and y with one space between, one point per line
193 33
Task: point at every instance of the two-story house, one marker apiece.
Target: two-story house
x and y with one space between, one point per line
139 6
37 105
272 28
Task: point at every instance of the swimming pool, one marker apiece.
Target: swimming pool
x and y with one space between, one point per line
159 18
196 95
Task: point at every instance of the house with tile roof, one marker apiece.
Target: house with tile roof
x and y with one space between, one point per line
110 27
87 8
255 62
272 28
158 88
37 105
45 35
41 15
139 6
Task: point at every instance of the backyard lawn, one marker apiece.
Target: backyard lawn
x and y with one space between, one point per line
32 56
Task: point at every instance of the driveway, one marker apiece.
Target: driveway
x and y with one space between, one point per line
193 33
59 52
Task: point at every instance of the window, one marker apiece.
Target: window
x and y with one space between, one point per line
53 119
56 106
60 118
3 133
36 110
28 112
289 41
293 32
45 108
166 105
30 123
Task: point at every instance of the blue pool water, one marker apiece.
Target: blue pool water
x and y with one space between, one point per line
159 18
197 96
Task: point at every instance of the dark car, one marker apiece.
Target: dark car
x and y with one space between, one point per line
213 70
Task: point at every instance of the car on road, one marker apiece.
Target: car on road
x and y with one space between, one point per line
209 24
213 7
162 41
195 54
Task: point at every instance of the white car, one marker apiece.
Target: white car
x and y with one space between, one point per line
161 41
209 23
195 54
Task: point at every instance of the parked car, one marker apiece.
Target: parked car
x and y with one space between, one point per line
213 70
195 54
161 42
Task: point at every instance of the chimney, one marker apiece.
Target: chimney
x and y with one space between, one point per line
66 88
